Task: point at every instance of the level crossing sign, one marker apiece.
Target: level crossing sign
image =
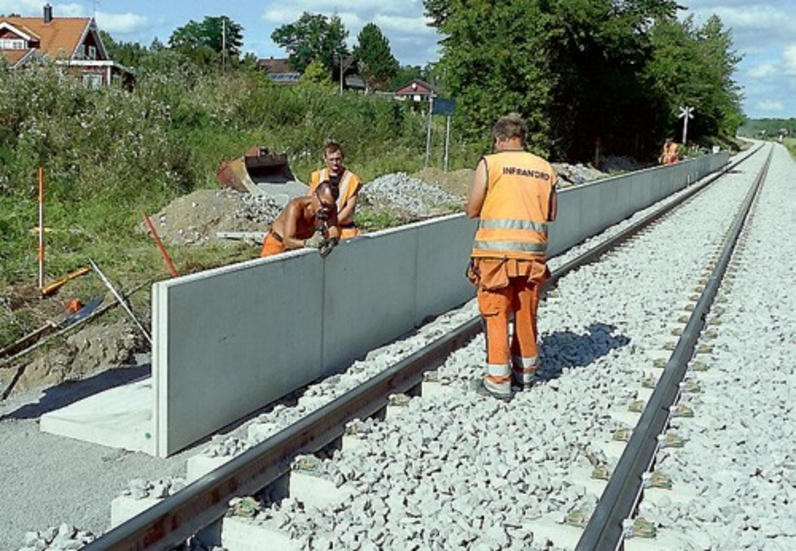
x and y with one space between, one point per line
685 114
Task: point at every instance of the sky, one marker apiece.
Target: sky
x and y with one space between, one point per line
761 31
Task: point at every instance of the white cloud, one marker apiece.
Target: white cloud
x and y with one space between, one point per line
771 106
763 70
32 8
122 23
789 56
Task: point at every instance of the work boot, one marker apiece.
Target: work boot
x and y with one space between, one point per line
519 384
501 391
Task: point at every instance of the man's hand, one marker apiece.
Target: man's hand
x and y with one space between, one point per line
327 247
316 241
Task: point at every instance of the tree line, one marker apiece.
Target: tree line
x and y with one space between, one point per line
590 76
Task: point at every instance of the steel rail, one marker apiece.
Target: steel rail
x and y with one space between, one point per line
172 521
604 531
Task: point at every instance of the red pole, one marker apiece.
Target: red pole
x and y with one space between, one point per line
166 257
41 228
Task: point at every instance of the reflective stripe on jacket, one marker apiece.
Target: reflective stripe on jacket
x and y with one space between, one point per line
349 186
516 209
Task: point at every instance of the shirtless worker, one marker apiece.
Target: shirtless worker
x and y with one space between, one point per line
306 221
347 183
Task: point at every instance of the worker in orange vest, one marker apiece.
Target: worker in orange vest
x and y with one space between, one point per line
514 195
347 183
306 221
670 153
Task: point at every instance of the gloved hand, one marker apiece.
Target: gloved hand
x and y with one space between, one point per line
316 241
327 247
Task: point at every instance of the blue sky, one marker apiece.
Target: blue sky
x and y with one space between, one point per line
762 31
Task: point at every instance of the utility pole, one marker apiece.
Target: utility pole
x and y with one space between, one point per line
223 44
341 72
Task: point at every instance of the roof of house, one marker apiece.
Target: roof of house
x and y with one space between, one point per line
414 88
58 39
275 65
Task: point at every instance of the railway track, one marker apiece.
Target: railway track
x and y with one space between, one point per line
203 502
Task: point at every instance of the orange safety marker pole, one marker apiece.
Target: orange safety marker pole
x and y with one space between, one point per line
166 257
41 228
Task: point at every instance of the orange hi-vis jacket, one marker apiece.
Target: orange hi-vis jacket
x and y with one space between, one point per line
517 207
349 186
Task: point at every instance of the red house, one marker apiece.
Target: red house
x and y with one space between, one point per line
72 42
416 90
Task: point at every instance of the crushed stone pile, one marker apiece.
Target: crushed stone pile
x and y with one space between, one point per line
195 218
573 175
615 163
409 195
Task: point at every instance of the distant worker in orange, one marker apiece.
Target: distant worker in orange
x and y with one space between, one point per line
514 195
306 221
347 183
670 153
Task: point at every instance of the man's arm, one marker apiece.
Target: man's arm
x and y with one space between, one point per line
348 209
552 208
478 191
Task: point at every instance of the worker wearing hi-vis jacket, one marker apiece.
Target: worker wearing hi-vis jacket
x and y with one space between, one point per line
347 183
306 221
514 195
670 153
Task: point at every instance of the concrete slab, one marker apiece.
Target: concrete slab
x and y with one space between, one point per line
121 417
123 508
316 491
240 534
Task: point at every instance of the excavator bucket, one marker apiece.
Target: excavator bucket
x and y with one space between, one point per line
258 166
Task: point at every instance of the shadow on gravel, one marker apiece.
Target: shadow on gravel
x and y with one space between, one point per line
566 349
70 392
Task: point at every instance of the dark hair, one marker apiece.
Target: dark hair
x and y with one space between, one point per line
510 126
333 147
326 184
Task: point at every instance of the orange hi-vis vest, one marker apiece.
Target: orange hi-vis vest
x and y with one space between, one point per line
349 186
517 207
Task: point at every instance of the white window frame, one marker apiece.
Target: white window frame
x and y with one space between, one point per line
92 52
92 81
12 44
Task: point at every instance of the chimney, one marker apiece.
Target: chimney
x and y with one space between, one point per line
48 13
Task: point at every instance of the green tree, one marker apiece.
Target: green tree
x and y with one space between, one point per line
374 58
313 37
128 54
213 38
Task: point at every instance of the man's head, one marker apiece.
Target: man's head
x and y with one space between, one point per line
326 200
509 131
333 156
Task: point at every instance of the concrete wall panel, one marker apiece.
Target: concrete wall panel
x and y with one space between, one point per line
443 250
233 340
369 294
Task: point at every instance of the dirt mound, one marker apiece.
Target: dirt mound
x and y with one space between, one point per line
195 218
456 182
90 349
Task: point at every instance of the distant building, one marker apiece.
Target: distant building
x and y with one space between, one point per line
416 90
71 42
279 70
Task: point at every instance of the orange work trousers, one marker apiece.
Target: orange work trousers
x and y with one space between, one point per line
520 298
271 245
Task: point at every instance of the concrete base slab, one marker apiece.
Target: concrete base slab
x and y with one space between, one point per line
629 418
582 476
240 534
662 542
352 442
680 493
612 449
433 388
123 508
315 491
199 465
120 418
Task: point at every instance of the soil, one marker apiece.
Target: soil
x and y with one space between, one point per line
456 182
